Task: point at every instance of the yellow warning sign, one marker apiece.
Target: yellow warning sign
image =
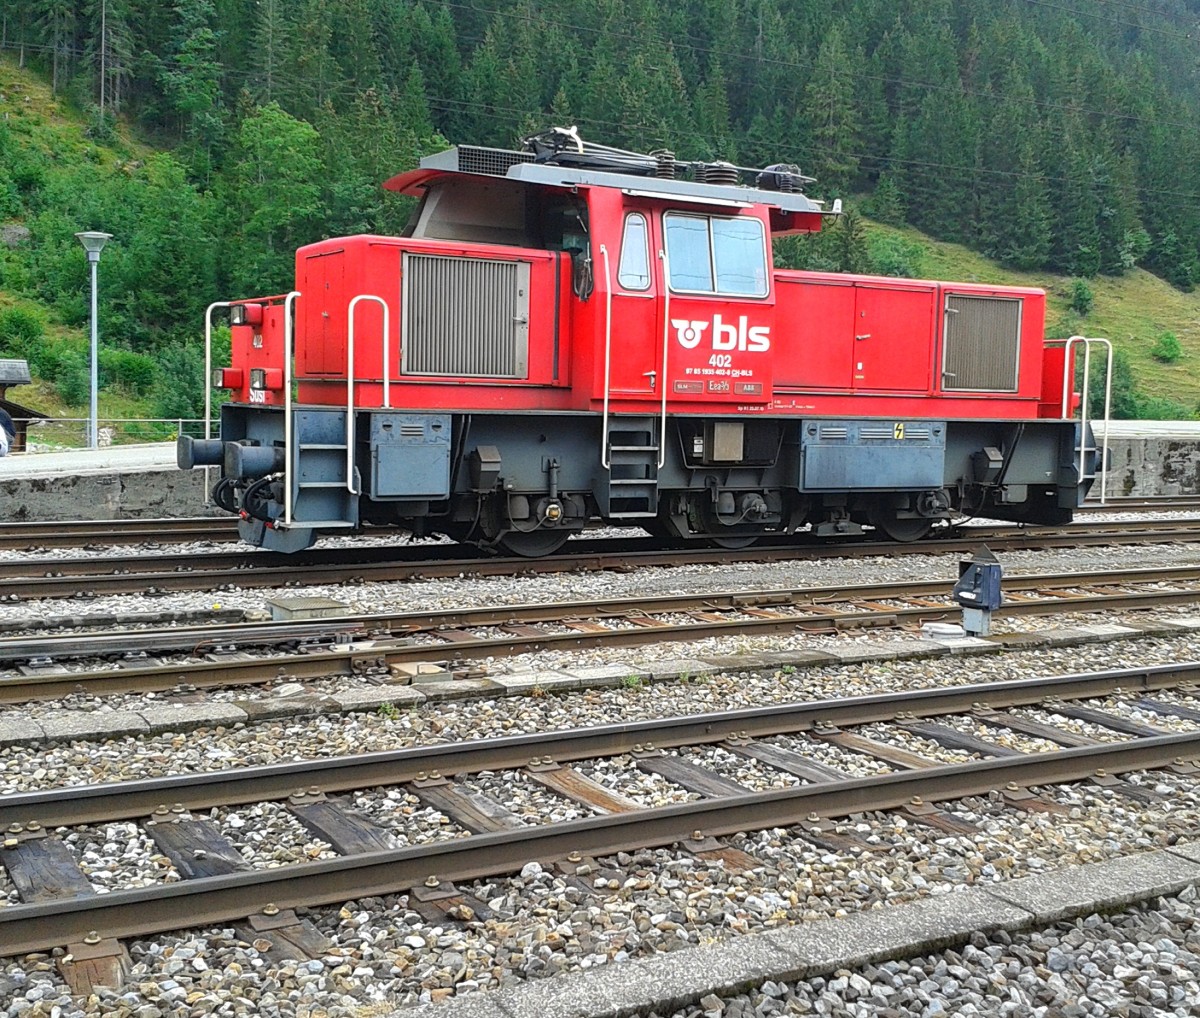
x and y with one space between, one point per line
898 430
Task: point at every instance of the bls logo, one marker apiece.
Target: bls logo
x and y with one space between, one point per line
742 336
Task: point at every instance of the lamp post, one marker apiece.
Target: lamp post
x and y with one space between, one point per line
93 242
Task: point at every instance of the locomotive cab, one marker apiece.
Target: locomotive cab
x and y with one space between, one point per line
574 333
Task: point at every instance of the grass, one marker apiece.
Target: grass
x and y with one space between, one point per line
1131 310
52 126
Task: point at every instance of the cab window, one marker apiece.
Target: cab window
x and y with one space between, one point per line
708 254
633 273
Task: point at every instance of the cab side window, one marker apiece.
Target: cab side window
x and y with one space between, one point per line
709 254
633 273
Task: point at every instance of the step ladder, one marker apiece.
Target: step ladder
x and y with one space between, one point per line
629 488
1086 452
323 499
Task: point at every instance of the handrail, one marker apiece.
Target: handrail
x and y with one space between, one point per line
1068 379
208 387
662 427
289 304
604 460
387 399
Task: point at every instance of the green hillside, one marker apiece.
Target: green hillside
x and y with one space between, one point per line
1132 311
181 242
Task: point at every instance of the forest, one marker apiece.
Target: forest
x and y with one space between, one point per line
219 135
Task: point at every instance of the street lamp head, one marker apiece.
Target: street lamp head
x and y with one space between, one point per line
93 242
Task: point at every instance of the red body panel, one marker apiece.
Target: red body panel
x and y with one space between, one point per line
816 343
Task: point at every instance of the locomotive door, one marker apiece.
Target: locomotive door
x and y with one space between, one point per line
893 337
635 361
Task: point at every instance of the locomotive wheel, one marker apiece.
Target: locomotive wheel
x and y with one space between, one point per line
905 530
533 543
733 542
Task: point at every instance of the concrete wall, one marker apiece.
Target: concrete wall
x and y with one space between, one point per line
145 494
1149 458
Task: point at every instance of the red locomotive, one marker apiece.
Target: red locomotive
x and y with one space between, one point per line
574 332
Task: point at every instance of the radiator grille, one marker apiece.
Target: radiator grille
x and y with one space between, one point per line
983 337
494 162
465 316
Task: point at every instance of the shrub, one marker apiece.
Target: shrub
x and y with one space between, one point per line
1081 298
20 331
133 372
1160 408
1166 349
894 256
179 391
73 377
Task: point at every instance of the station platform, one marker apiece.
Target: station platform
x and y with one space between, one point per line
106 460
109 483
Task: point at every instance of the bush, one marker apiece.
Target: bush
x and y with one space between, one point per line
180 388
1160 408
20 331
134 372
73 377
1166 349
894 256
1081 298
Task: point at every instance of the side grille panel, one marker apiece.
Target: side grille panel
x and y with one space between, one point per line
465 317
982 343
491 161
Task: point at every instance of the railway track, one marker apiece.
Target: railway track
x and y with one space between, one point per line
26 536
159 574
370 646
82 533
212 883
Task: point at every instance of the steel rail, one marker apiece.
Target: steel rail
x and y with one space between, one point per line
247 557
103 803
45 578
207 900
74 533
171 638
356 658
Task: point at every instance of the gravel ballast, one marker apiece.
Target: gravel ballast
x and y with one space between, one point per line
639 907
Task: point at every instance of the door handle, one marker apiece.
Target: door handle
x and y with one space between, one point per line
865 335
653 376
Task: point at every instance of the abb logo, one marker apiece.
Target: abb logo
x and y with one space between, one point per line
742 336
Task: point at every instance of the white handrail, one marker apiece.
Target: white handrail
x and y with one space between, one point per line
387 399
662 427
604 460
1068 379
288 315
208 386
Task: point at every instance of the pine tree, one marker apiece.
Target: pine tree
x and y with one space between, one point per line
712 115
850 243
56 24
831 117
190 76
887 203
1027 244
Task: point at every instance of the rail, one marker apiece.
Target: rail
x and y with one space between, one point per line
662 425
604 458
208 323
609 825
387 396
289 306
1068 379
